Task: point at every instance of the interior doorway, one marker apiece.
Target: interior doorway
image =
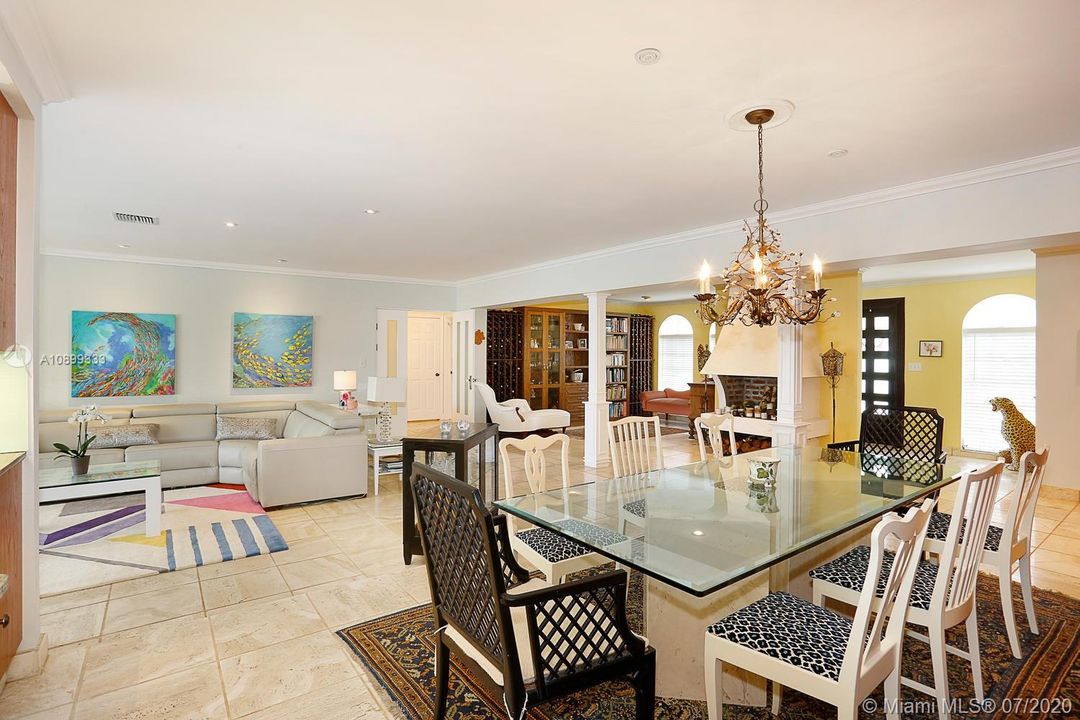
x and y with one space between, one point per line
429 365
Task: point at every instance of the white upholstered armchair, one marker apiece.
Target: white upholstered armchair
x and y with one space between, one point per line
515 415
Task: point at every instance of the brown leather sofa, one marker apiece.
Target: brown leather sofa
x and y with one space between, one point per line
667 401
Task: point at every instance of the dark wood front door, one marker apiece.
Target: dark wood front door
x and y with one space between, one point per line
883 353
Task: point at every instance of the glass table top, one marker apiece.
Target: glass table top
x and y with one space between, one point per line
60 475
704 526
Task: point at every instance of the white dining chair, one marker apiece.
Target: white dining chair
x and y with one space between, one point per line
1009 545
551 553
715 425
636 448
832 657
943 594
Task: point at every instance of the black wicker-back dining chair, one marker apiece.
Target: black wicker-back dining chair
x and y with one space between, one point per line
534 644
913 433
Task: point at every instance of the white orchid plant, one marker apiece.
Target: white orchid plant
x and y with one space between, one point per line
82 417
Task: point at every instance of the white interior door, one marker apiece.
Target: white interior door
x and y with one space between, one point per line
427 375
462 397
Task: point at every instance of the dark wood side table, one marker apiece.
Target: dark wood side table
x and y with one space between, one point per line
702 400
434 440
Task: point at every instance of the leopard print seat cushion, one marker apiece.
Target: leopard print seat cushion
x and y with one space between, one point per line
849 572
790 629
554 548
939 530
638 507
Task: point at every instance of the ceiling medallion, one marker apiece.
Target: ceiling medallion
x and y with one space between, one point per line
764 284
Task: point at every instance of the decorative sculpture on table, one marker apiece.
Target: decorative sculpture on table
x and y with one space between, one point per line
832 367
1016 429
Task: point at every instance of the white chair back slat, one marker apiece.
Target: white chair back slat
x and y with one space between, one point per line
959 560
534 459
711 427
867 645
1022 515
635 445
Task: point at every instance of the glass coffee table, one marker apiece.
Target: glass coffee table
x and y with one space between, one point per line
56 484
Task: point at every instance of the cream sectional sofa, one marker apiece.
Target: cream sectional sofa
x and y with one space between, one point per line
319 452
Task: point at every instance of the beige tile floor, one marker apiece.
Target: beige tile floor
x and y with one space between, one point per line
254 638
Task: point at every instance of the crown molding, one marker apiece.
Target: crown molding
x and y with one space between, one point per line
237 267
1051 251
21 20
1024 166
944 279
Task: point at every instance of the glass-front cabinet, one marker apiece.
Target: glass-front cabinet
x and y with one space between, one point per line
544 358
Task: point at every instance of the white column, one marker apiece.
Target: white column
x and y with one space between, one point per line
790 426
596 408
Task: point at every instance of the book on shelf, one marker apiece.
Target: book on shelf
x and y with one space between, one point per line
616 375
617 359
616 342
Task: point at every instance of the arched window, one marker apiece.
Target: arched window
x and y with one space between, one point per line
998 361
676 353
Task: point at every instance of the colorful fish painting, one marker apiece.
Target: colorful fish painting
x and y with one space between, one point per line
272 350
117 354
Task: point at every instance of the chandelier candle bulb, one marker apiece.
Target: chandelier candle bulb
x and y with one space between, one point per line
704 276
817 272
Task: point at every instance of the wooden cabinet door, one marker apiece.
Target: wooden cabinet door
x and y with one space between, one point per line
10 564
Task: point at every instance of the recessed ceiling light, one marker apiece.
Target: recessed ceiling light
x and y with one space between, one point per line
282 260
371 211
838 153
648 56
123 245
698 533
230 224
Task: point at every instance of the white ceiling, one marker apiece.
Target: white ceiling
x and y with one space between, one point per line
492 135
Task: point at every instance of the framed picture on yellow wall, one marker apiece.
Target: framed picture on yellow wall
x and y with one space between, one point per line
929 348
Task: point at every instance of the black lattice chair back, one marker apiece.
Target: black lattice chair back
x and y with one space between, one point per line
910 432
460 546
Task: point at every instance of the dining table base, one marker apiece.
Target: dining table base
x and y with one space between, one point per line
675 625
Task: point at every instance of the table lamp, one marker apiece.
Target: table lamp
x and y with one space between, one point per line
345 383
385 390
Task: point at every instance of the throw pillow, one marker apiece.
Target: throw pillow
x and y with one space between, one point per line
230 427
121 436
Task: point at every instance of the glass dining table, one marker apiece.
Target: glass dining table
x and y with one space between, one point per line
704 533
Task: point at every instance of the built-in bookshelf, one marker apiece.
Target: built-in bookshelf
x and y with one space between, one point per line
617 365
542 354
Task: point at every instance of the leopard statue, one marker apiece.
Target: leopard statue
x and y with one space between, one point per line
1016 429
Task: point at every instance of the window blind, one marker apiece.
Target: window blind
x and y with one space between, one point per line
676 362
997 362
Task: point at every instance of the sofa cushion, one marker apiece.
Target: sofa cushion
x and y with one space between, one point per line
330 415
177 455
173 409
98 456
60 415
301 425
673 406
183 428
237 453
64 432
238 427
121 436
681 394
279 410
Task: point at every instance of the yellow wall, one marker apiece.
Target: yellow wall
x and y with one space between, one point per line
845 332
935 311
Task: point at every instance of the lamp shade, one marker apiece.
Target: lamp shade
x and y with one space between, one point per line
385 389
344 379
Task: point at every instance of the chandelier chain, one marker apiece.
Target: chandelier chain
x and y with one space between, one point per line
761 205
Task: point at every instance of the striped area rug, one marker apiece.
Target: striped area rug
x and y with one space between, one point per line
95 541
217 542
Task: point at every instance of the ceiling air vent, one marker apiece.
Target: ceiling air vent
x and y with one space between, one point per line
137 219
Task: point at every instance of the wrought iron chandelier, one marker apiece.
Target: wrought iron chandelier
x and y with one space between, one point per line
764 284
